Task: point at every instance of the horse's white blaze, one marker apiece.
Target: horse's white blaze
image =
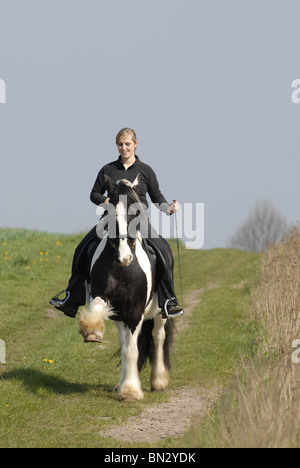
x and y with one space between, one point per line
129 387
125 254
144 263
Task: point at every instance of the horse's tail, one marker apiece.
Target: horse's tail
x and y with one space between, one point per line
146 344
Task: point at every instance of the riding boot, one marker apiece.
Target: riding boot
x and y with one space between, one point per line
167 299
75 294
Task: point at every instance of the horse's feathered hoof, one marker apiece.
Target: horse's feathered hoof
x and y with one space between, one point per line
129 392
92 338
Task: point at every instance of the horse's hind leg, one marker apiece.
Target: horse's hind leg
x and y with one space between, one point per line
159 379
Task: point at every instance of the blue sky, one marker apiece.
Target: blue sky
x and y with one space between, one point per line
206 84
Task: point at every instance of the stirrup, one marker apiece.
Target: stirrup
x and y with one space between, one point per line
60 303
171 316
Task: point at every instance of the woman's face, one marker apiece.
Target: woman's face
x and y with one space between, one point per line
127 147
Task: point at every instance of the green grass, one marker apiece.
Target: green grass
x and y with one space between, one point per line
68 402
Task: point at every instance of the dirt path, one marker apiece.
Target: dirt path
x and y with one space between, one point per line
174 418
165 420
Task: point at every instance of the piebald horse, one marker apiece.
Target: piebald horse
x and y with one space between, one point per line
122 287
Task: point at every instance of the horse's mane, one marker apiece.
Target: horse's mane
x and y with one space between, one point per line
125 189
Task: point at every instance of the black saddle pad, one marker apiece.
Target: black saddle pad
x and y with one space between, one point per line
85 258
155 256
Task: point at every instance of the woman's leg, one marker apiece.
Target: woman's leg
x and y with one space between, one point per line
76 285
75 292
166 289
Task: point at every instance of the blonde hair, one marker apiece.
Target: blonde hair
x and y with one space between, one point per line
123 133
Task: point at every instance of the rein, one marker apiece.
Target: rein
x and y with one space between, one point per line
178 254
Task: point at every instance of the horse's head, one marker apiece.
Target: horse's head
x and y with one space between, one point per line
123 197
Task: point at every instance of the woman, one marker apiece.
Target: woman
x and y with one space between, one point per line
127 166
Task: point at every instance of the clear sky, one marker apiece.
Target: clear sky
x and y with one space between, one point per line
206 84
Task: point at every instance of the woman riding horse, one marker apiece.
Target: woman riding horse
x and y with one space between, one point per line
128 166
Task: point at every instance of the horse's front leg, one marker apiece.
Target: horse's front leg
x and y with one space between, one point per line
159 379
129 387
121 333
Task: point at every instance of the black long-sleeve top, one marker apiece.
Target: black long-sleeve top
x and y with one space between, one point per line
148 182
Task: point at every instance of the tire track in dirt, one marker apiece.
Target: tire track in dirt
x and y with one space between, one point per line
174 418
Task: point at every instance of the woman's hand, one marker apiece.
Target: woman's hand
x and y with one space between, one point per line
107 201
173 207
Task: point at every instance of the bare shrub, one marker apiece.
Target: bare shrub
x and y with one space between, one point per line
264 227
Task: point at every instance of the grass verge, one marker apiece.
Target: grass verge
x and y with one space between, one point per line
261 408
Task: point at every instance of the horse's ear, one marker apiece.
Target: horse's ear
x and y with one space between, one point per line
136 181
108 184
